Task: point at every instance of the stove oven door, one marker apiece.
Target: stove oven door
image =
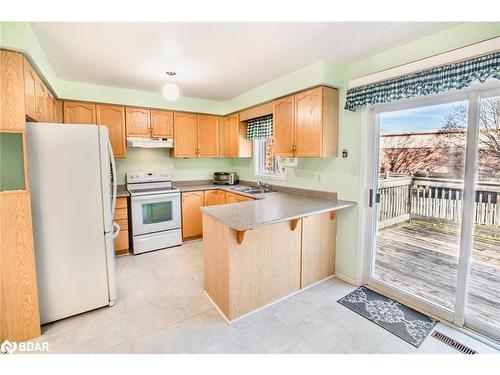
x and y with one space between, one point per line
155 213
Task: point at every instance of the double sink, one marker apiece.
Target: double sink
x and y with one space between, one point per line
252 190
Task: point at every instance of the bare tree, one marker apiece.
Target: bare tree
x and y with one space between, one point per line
454 128
401 156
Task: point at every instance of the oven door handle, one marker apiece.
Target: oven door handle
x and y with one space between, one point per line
154 196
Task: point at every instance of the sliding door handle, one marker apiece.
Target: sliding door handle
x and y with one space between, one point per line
374 198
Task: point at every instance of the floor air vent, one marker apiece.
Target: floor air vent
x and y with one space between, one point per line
453 343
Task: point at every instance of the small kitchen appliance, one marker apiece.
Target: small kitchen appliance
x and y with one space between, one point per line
225 178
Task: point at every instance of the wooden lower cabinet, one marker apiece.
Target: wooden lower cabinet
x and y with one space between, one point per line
121 218
318 247
236 198
192 201
19 314
270 262
214 197
265 267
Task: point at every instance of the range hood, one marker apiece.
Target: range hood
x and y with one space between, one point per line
147 142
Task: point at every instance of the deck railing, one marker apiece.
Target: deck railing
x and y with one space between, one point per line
405 197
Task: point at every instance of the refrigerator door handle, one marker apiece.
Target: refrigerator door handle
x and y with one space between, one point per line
116 230
115 182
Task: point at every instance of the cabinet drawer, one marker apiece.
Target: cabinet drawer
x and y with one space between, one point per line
121 203
123 223
120 213
121 242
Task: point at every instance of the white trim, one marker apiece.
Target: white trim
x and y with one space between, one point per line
257 161
347 279
217 308
269 304
370 154
477 49
368 132
467 226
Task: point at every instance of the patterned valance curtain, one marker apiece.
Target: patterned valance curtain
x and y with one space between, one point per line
432 81
260 128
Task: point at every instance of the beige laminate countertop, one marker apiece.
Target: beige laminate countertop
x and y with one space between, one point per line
122 192
268 208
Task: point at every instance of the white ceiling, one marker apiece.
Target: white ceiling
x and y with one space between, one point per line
213 60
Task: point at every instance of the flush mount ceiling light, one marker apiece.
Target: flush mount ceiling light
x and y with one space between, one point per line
170 90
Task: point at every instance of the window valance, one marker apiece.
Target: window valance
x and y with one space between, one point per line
260 128
431 81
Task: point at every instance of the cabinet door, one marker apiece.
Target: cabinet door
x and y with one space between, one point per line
78 113
162 123
232 197
308 122
185 135
12 108
230 135
214 197
138 122
242 198
191 214
30 79
113 116
284 126
318 247
41 98
208 136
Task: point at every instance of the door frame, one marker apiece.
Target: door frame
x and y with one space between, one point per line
370 161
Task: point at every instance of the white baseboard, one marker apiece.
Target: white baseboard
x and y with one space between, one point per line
347 279
265 306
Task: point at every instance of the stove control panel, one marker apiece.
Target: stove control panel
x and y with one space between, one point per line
148 176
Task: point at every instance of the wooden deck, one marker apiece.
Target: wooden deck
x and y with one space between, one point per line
423 260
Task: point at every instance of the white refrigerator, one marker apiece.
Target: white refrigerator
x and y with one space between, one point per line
72 178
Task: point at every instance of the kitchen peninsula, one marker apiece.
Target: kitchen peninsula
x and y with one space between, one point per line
260 251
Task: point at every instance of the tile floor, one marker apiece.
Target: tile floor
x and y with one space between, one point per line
161 308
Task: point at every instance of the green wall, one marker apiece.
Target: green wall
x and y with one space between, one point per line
332 174
159 159
342 175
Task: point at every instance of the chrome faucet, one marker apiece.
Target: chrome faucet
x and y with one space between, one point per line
264 186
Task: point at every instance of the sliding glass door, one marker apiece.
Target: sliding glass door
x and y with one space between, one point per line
482 309
435 214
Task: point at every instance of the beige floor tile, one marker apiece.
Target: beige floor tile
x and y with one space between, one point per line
161 308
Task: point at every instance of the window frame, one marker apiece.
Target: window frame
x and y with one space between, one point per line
258 160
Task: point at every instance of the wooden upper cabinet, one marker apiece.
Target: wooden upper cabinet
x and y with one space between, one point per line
308 117
162 123
138 122
30 82
233 137
284 126
191 214
214 197
208 135
79 113
230 134
42 99
12 92
316 122
113 116
185 135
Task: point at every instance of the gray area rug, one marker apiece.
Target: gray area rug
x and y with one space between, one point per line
400 320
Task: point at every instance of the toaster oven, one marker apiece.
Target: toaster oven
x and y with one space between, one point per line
224 178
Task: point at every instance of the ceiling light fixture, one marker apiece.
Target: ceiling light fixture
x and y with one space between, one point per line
171 90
